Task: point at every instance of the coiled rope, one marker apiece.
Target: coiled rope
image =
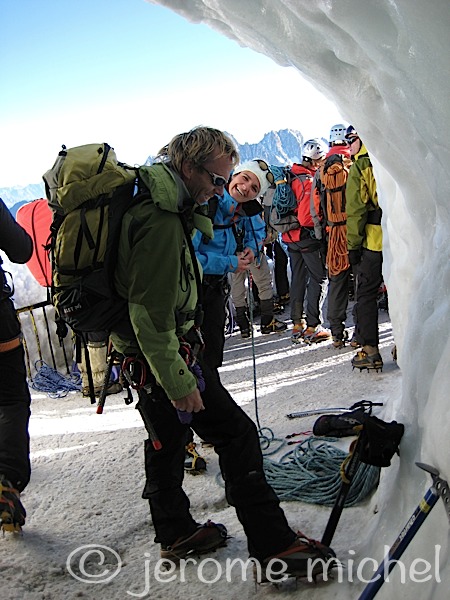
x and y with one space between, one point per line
283 198
312 473
334 180
53 383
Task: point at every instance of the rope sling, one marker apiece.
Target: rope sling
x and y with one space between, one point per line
334 178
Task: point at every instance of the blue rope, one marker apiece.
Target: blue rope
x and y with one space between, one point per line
311 473
53 383
283 199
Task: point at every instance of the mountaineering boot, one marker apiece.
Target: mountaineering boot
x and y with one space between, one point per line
268 322
338 342
242 321
340 339
278 308
193 462
368 358
285 299
274 326
297 331
113 388
315 335
206 538
280 303
12 512
354 343
303 558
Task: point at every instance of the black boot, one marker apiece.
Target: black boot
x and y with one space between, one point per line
268 323
242 321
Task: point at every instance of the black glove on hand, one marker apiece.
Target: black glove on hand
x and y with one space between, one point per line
354 256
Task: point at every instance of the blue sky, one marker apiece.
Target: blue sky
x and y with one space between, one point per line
133 74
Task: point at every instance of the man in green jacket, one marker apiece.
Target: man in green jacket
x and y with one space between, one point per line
365 245
156 273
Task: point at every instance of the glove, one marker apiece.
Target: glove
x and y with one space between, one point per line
354 256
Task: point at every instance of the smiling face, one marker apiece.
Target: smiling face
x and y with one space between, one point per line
206 180
244 186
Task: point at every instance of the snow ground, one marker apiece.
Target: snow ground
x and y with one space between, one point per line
88 477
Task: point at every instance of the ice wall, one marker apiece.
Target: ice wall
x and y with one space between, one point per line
385 66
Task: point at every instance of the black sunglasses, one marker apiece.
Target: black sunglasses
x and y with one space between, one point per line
265 167
217 180
351 140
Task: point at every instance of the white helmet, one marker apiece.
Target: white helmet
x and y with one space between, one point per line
314 149
337 133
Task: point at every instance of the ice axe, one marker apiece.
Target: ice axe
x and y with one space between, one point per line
438 489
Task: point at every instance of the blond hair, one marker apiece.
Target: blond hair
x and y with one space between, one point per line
198 145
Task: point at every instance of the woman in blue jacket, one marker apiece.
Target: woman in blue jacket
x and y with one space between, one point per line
238 234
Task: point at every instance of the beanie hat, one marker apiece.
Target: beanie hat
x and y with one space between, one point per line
254 166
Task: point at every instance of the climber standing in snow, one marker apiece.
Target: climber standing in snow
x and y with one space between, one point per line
365 245
15 398
180 390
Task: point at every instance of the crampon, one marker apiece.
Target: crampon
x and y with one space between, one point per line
193 462
12 512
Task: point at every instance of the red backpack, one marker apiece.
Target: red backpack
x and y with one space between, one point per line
36 217
301 185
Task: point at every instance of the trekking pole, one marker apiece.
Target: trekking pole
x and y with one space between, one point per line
251 306
348 471
439 488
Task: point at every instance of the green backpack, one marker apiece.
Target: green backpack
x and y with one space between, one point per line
89 192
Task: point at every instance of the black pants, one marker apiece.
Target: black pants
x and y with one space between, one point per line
235 438
14 404
281 270
214 316
338 302
309 277
368 275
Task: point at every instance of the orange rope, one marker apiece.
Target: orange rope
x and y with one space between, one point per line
337 255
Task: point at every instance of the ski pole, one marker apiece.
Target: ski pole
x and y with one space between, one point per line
348 472
439 488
